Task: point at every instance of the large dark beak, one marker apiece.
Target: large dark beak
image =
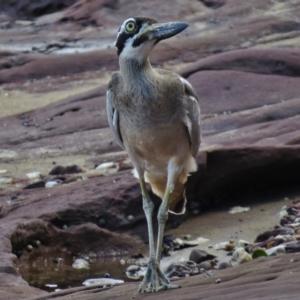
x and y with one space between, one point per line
161 31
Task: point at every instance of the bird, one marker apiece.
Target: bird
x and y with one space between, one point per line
154 116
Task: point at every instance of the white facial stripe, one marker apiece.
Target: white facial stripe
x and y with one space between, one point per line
122 28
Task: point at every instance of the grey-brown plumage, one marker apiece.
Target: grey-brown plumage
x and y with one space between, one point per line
155 117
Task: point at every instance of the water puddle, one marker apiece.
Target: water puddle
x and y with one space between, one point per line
50 273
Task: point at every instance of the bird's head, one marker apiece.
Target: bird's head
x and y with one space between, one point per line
137 36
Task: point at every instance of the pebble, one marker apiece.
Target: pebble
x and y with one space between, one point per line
135 271
33 175
58 260
195 212
3 171
224 265
50 184
51 285
243 243
80 263
101 222
227 246
29 248
280 249
199 256
130 218
122 261
7 180
36 243
218 280
240 256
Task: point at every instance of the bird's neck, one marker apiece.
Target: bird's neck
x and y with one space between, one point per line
138 76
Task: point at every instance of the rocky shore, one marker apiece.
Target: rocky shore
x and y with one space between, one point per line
66 188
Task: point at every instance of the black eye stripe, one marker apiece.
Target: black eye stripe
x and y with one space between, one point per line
124 36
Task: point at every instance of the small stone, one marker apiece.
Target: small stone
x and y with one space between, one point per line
14 197
240 256
195 212
122 261
218 280
36 243
65 226
50 184
224 265
58 260
130 218
107 275
29 248
51 285
187 236
205 265
3 171
7 180
292 260
199 256
80 263
101 222
33 175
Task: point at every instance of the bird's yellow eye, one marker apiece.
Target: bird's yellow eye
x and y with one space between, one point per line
130 26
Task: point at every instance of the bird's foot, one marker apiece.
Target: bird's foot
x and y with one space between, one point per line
155 280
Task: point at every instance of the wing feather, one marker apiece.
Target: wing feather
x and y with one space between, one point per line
113 117
192 118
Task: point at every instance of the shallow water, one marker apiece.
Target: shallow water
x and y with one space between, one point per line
44 271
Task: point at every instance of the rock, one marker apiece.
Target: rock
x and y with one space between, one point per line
181 269
80 263
33 175
50 184
227 246
280 249
199 256
135 271
102 281
240 256
60 170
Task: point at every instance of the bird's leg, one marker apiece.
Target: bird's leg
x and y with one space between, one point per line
154 279
148 207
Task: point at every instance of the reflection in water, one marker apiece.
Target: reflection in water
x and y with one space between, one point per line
58 271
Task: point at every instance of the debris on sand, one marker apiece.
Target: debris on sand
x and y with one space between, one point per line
238 209
102 282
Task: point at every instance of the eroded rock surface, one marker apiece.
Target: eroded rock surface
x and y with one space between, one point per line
243 60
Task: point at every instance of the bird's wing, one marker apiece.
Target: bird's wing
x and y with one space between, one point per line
113 116
192 119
